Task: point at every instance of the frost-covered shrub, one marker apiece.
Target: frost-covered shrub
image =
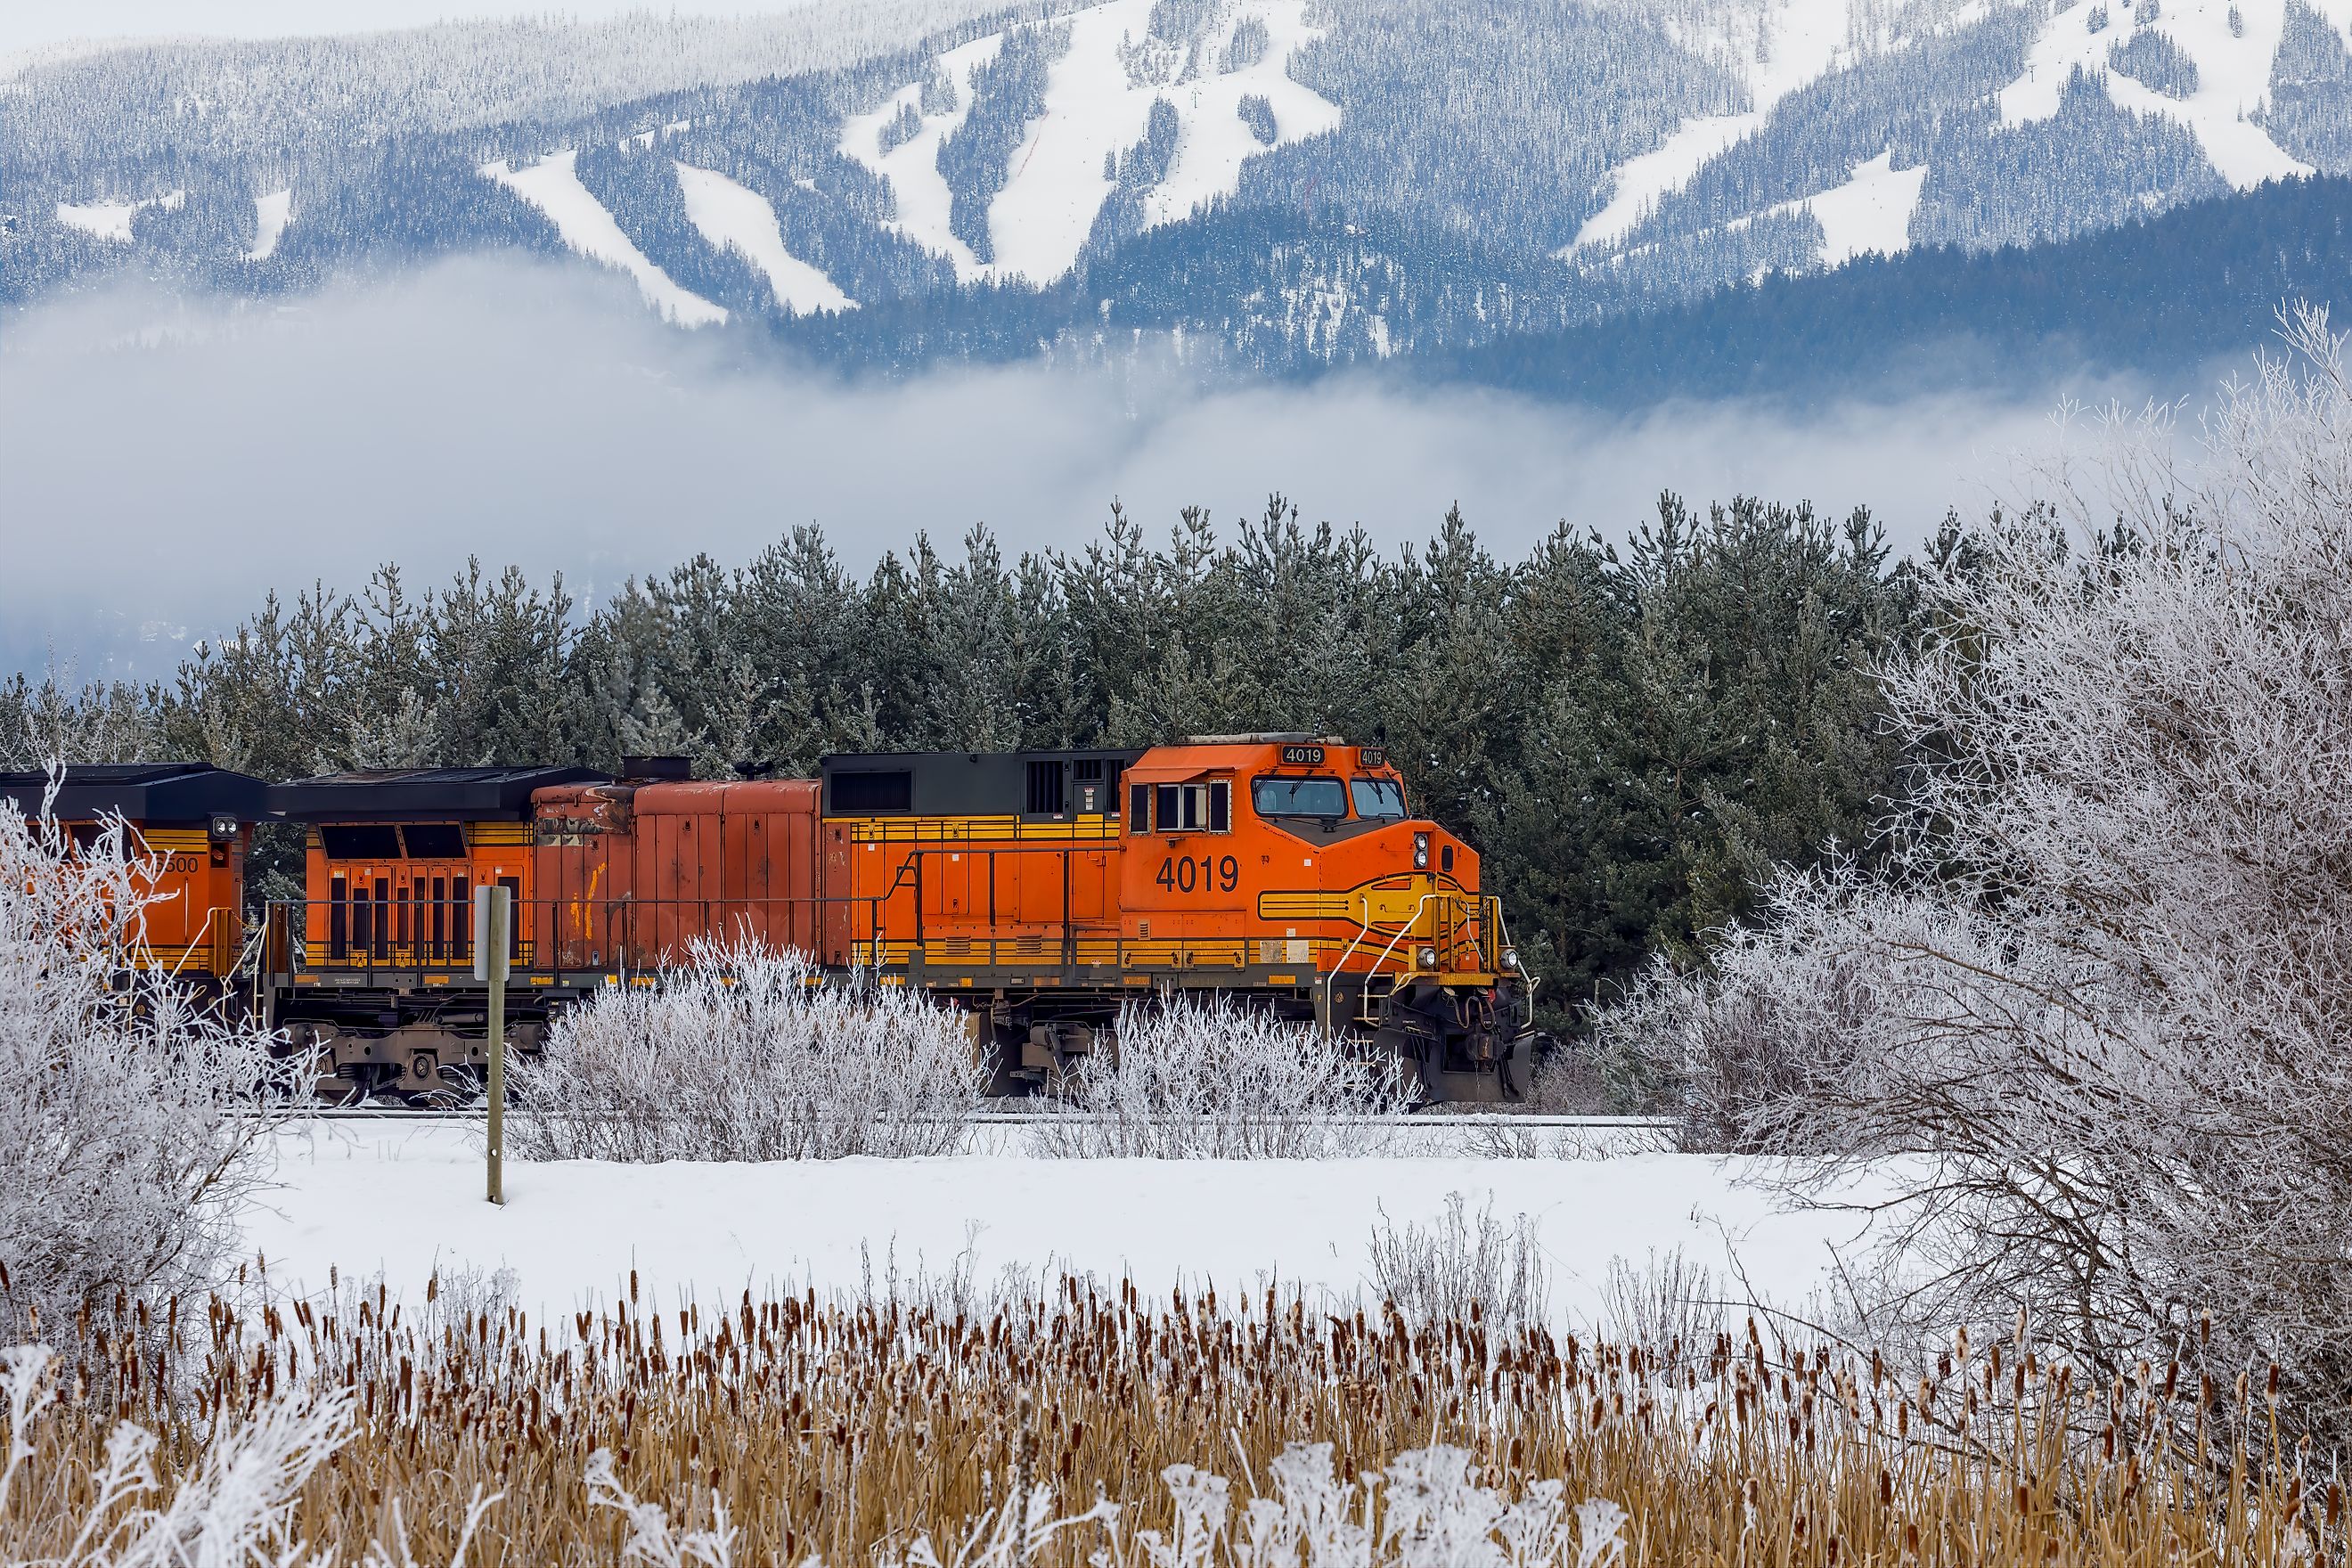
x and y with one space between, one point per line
1434 1273
741 1055
1215 1080
1431 1513
1671 1307
132 1123
2096 1009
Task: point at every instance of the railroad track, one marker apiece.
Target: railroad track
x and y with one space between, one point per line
412 1115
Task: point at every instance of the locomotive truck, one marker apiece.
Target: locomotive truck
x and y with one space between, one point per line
1039 892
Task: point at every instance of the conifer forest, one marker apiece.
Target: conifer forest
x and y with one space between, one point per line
1633 734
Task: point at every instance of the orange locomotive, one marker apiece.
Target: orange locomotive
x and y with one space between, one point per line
1041 891
375 965
193 824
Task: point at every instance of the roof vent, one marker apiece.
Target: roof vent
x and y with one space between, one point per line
1264 738
655 769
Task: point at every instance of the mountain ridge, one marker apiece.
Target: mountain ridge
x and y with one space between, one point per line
1464 170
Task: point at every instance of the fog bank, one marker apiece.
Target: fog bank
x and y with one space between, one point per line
163 462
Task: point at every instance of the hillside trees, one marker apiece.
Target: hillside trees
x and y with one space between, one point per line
1632 735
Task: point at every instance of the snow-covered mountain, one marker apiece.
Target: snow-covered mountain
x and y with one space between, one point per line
1295 181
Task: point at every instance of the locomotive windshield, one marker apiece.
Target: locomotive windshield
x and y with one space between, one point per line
1378 800
1299 797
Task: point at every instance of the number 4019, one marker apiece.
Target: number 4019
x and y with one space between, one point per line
1187 874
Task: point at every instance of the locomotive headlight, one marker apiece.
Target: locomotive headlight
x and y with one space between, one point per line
1421 852
1511 961
1427 957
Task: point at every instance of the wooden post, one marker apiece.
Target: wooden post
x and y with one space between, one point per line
493 918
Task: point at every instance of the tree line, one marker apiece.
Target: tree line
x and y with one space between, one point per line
1632 734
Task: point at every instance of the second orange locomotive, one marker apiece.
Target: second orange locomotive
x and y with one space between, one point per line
1041 891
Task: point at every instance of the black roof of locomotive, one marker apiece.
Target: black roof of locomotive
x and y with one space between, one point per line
961 784
140 792
429 794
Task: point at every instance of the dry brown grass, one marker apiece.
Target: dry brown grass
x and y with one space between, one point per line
842 1429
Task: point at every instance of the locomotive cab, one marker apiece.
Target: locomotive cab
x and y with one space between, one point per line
1302 849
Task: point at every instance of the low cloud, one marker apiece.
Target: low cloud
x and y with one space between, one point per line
163 462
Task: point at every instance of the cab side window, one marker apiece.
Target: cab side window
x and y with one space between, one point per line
1206 807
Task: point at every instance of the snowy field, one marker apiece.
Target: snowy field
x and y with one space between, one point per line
405 1201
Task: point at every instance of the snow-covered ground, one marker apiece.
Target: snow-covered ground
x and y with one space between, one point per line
111 220
1215 140
1871 212
1099 99
1643 181
408 1200
1038 221
919 192
1777 46
270 213
553 186
735 217
2231 43
1772 47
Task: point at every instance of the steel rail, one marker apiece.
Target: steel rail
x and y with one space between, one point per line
412 1114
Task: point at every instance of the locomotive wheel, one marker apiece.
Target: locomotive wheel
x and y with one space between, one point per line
367 1079
461 1086
1006 1081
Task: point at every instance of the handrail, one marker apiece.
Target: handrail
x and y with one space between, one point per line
196 941
629 932
1400 936
627 916
1332 982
